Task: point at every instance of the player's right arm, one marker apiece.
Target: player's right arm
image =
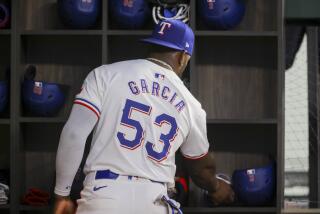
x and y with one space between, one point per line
200 162
203 174
82 120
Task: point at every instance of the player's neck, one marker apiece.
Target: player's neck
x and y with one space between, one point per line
162 61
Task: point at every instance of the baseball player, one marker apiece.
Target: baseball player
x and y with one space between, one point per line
141 114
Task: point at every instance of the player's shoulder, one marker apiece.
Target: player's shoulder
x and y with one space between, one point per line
192 102
122 64
116 68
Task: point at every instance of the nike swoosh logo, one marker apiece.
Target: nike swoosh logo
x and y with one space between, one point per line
97 188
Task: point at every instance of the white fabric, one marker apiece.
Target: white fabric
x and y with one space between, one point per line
71 147
106 92
121 197
4 193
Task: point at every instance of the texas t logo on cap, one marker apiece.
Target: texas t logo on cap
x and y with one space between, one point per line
173 34
164 25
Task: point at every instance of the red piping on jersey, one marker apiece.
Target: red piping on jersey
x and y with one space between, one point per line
87 106
195 157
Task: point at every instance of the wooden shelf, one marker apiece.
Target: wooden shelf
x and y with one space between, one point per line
4 121
5 207
128 32
199 33
62 32
46 209
5 32
230 210
236 33
242 121
42 119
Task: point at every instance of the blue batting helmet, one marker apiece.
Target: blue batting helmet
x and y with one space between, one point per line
221 14
79 13
129 13
4 91
4 15
41 98
255 186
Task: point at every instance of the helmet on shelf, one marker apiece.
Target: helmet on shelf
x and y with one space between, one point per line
255 186
41 98
129 14
221 14
79 13
4 15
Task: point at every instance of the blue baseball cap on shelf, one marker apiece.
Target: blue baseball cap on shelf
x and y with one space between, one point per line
173 34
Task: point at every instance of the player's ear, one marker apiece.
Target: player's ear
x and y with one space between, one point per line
180 58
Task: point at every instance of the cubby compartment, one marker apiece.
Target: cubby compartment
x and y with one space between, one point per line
37 162
61 59
260 15
122 47
238 146
37 157
5 61
5 163
37 15
236 77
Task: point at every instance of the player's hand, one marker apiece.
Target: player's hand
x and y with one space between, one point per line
223 195
63 205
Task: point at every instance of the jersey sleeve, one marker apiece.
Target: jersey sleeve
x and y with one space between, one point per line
91 94
196 144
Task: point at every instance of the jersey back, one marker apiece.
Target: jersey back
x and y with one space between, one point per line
145 115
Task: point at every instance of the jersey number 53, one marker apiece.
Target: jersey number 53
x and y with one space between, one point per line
166 139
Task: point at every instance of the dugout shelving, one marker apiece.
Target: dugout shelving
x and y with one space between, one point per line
37 156
236 74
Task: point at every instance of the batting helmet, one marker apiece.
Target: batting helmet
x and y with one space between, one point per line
255 186
4 15
79 13
221 14
41 98
4 91
129 13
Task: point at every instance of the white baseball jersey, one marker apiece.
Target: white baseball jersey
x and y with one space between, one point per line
145 115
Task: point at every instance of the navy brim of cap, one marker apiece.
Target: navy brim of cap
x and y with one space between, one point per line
162 43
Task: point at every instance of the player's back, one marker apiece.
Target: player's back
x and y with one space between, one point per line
143 120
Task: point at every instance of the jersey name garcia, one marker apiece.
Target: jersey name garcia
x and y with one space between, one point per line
145 114
157 89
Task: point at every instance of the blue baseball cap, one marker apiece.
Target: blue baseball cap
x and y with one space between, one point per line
173 34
